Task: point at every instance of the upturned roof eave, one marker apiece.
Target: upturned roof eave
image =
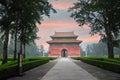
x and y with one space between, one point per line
63 42
61 36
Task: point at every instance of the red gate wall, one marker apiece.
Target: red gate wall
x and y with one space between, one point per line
72 51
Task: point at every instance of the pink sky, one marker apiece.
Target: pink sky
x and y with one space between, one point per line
62 4
61 21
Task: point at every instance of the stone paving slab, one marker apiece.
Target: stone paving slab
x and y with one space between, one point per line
65 69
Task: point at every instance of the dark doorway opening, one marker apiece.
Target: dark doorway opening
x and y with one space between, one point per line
64 53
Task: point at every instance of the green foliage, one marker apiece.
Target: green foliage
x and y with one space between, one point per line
11 69
32 50
97 14
105 63
19 18
99 49
29 15
82 52
102 16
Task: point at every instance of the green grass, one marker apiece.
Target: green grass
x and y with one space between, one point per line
105 63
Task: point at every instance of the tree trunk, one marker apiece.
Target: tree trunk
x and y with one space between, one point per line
21 41
24 54
20 70
15 45
110 47
109 26
5 47
109 41
20 55
24 43
21 48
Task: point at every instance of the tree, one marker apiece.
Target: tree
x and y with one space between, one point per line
6 16
29 16
42 50
32 50
102 16
11 47
82 52
97 49
1 45
23 17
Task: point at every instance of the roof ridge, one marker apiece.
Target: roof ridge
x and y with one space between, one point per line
64 34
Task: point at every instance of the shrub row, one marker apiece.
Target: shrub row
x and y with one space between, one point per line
34 63
105 63
52 58
107 60
11 69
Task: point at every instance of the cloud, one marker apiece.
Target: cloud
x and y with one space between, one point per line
94 38
62 4
46 31
58 24
61 15
61 21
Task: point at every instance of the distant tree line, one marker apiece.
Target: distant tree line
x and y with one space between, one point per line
32 50
98 49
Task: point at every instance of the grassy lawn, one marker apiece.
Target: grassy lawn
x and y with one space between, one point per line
102 62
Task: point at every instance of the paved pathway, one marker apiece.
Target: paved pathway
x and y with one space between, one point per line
65 69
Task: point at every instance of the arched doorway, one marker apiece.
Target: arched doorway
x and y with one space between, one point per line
64 53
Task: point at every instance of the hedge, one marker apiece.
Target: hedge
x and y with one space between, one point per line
11 69
105 63
34 63
52 58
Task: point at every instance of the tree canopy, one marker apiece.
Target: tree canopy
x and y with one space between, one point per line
19 18
102 16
